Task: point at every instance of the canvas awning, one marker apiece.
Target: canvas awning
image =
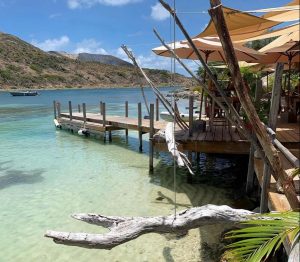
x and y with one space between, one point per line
210 50
287 13
279 32
240 25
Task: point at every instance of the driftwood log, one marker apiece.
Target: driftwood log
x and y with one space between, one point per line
124 229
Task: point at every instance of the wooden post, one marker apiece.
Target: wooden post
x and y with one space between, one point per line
126 115
151 137
79 108
191 114
58 109
157 109
54 109
70 111
84 112
101 113
275 101
279 173
140 126
250 172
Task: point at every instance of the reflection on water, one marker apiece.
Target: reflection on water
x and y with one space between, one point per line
47 174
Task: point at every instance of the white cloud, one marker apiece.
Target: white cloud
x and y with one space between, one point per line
55 44
159 13
73 4
89 46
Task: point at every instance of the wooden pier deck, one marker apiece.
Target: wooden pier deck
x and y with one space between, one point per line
220 139
94 120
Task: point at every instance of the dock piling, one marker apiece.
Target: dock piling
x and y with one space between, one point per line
79 108
126 115
84 112
54 109
103 112
58 109
101 108
140 127
70 110
157 109
191 112
151 138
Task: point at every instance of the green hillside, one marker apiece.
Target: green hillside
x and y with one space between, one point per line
24 66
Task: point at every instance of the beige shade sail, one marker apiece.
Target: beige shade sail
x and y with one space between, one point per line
289 12
279 32
210 51
240 25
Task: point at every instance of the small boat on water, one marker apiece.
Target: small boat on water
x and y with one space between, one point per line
24 93
169 118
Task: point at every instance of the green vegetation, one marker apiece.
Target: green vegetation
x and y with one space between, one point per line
261 238
23 65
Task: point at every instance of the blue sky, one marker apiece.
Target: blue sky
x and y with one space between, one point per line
101 26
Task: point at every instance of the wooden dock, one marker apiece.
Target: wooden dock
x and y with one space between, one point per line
221 138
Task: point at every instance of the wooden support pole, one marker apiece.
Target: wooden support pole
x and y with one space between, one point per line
250 172
84 112
54 109
140 126
58 109
103 114
275 101
70 111
279 174
126 115
79 108
109 136
101 107
157 109
151 154
191 114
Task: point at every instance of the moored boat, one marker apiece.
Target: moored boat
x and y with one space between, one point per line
24 93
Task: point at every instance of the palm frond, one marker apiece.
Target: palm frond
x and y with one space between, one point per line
263 235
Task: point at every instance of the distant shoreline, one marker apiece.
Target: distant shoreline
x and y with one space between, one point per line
76 88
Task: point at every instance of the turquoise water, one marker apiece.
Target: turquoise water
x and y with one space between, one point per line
48 174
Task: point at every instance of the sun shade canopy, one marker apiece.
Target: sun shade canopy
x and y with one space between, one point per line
240 25
287 13
291 29
210 50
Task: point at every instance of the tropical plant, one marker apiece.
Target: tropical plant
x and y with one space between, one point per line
262 237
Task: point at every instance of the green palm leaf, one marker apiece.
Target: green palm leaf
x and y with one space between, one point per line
263 235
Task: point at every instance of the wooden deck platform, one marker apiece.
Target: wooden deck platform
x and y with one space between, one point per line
220 139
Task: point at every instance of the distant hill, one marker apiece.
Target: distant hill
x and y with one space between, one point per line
24 66
104 59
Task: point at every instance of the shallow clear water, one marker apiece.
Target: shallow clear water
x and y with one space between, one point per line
46 175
